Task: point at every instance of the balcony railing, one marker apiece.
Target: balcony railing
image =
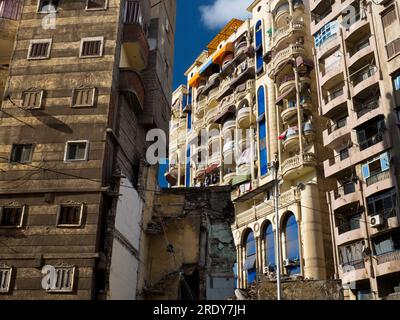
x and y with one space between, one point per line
371 141
10 9
366 107
338 125
387 257
364 74
378 177
345 190
353 265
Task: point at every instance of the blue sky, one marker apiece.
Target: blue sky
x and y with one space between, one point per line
198 21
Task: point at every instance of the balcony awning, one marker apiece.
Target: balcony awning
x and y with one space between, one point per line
219 56
194 81
301 61
205 67
200 174
284 95
240 179
212 168
230 110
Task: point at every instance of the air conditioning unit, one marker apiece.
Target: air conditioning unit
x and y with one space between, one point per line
287 263
376 221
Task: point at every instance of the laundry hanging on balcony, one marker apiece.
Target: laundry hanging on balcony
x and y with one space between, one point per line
283 136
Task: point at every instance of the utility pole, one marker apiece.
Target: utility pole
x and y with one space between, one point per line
275 170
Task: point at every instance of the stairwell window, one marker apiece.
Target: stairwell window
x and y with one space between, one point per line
5 278
11 216
70 215
96 4
39 49
48 6
32 99
91 47
76 151
83 97
21 153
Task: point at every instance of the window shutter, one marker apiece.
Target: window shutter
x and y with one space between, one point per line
365 171
388 18
385 161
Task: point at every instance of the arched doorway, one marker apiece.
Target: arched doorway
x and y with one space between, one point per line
291 232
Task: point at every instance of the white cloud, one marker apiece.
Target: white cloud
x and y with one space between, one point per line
216 15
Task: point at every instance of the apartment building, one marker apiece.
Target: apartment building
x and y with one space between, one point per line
251 99
357 46
78 81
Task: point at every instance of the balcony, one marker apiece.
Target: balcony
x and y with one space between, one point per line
200 107
367 110
334 136
296 28
390 219
353 271
212 97
379 182
356 27
361 52
365 79
244 117
345 195
229 152
244 72
349 231
331 44
334 100
132 86
214 159
298 165
228 127
135 48
210 115
283 56
286 83
280 13
10 13
388 263
332 75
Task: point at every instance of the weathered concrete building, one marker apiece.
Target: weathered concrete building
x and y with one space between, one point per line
79 98
191 250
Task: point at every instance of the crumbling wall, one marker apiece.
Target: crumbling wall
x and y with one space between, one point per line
189 233
298 290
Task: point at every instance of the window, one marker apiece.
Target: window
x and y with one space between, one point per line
250 262
386 243
351 256
292 244
376 166
21 153
48 6
5 278
269 242
371 134
76 151
11 216
83 97
326 32
63 279
344 154
383 203
262 131
91 47
133 13
396 87
70 215
96 4
39 49
259 47
10 9
32 99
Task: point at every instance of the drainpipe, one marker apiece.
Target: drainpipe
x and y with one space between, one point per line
299 111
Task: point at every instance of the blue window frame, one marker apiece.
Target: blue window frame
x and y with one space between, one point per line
326 32
187 167
269 243
396 83
189 96
184 101
162 169
292 243
189 121
259 47
250 263
262 131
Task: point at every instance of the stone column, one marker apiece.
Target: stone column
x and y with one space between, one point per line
311 235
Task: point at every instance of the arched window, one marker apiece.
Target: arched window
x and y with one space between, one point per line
187 182
259 47
262 131
269 244
250 263
292 244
